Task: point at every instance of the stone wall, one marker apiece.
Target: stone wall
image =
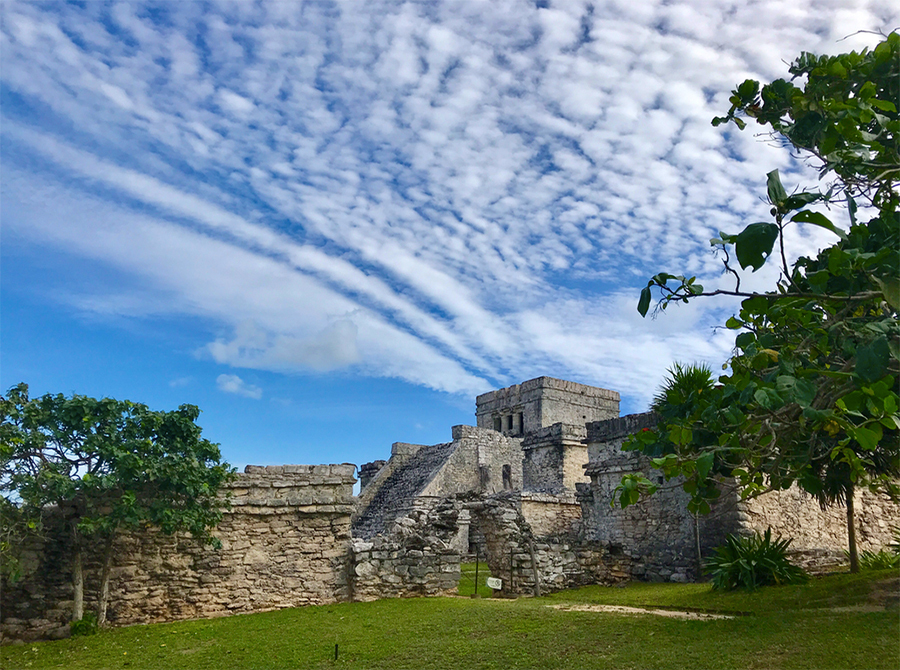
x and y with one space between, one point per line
551 514
821 534
660 536
477 464
285 543
418 557
532 564
553 459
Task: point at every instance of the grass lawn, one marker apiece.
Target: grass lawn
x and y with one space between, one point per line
829 623
467 580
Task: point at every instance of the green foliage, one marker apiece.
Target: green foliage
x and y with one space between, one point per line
894 546
107 465
751 562
111 464
811 397
86 625
467 586
878 560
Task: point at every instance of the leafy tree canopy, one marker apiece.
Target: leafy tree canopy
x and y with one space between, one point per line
109 465
811 395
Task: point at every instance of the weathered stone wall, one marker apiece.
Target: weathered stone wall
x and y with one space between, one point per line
418 557
660 535
477 464
531 563
285 543
544 401
553 459
551 514
795 514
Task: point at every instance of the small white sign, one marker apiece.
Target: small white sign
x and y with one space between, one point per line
495 583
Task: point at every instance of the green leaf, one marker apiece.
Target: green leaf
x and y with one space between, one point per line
868 438
890 287
755 243
884 105
820 220
768 398
799 200
705 463
734 324
775 190
644 302
872 360
800 391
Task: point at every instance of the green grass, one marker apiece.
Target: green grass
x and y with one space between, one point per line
467 580
806 626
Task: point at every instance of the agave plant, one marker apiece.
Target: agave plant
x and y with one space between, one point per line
878 560
752 561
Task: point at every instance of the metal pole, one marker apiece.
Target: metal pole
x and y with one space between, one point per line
477 560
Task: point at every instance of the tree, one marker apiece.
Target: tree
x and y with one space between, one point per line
811 396
109 466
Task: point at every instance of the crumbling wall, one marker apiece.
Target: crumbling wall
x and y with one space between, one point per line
533 564
285 543
553 458
661 536
417 557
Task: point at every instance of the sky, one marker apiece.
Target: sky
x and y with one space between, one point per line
330 225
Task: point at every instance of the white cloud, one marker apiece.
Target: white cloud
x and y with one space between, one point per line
236 385
459 194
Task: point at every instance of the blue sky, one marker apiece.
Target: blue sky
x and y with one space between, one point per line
331 224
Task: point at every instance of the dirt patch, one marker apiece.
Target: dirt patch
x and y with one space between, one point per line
621 609
885 593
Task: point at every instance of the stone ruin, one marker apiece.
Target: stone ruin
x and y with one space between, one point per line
528 488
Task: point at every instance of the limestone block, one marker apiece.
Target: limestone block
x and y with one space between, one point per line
366 569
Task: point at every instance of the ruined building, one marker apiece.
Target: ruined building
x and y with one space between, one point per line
529 440
529 487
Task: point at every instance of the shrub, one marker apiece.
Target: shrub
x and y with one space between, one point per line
895 545
86 625
878 560
753 561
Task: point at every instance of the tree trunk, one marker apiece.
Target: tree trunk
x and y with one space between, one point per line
699 565
77 585
851 533
104 580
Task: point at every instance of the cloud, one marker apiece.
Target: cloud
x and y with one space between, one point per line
236 385
180 382
458 194
334 347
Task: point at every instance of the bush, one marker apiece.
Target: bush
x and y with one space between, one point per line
878 560
86 625
750 562
895 545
